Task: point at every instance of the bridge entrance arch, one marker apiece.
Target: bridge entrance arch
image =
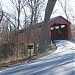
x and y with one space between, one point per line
59 32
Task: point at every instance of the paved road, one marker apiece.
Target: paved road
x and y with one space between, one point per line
61 62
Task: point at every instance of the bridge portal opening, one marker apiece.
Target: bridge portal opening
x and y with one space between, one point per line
59 32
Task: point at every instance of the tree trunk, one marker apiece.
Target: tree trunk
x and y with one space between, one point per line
1 16
48 12
18 10
35 22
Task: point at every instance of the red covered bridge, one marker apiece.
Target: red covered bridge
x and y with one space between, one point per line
58 29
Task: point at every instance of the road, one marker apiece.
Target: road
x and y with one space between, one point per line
60 62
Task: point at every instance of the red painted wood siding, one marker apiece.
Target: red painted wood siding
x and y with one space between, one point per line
23 37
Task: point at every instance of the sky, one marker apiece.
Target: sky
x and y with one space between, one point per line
8 8
60 10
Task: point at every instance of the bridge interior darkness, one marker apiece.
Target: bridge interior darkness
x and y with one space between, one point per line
59 32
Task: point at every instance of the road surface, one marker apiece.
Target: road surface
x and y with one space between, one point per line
60 62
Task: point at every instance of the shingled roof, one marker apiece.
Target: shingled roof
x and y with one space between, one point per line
52 19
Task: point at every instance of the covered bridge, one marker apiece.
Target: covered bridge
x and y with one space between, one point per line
58 29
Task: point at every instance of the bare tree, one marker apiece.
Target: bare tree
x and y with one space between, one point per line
34 7
67 9
19 6
48 12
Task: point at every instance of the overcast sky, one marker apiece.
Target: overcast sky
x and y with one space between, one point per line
60 10
7 7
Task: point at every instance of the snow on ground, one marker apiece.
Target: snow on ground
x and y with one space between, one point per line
61 62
